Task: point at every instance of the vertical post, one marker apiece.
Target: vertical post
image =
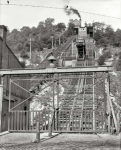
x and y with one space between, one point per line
1 101
50 124
53 96
38 132
52 42
105 117
10 94
118 121
83 51
57 112
58 92
53 105
94 128
108 104
9 113
72 49
30 48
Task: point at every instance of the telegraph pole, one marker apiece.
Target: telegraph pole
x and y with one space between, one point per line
30 48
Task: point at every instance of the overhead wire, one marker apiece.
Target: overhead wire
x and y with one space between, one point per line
59 8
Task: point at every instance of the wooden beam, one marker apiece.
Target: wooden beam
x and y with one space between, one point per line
56 70
94 122
1 102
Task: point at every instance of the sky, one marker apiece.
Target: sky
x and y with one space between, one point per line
15 17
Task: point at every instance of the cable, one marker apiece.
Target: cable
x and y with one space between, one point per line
58 8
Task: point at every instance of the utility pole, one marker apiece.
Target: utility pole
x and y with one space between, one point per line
52 41
30 48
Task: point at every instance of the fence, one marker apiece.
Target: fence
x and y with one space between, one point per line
78 121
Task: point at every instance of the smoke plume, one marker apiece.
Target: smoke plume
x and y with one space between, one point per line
71 11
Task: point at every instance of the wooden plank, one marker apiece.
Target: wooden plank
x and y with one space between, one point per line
42 120
80 122
36 119
27 120
39 118
88 120
85 120
23 113
47 117
17 120
45 120
33 120
30 121
63 121
56 70
20 120
72 120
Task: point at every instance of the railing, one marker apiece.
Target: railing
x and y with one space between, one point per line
26 121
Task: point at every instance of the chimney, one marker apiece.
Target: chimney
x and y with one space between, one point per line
3 32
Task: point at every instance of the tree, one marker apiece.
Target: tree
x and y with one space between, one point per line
117 38
70 29
101 60
60 27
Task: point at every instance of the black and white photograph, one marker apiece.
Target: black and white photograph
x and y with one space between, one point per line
60 74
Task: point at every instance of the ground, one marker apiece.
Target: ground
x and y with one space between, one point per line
25 141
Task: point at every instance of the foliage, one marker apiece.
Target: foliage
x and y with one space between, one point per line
115 86
101 60
107 54
103 57
19 41
70 28
104 35
24 55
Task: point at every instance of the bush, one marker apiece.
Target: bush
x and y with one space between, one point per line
101 60
116 54
119 55
107 54
118 65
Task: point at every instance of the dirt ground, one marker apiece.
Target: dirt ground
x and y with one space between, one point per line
24 141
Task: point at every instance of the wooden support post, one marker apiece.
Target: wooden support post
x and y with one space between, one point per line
57 112
50 130
51 124
1 101
105 117
108 105
94 126
38 132
54 104
118 122
53 96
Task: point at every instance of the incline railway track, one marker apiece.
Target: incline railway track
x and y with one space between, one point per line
56 52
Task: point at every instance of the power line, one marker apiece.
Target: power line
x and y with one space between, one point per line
58 8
